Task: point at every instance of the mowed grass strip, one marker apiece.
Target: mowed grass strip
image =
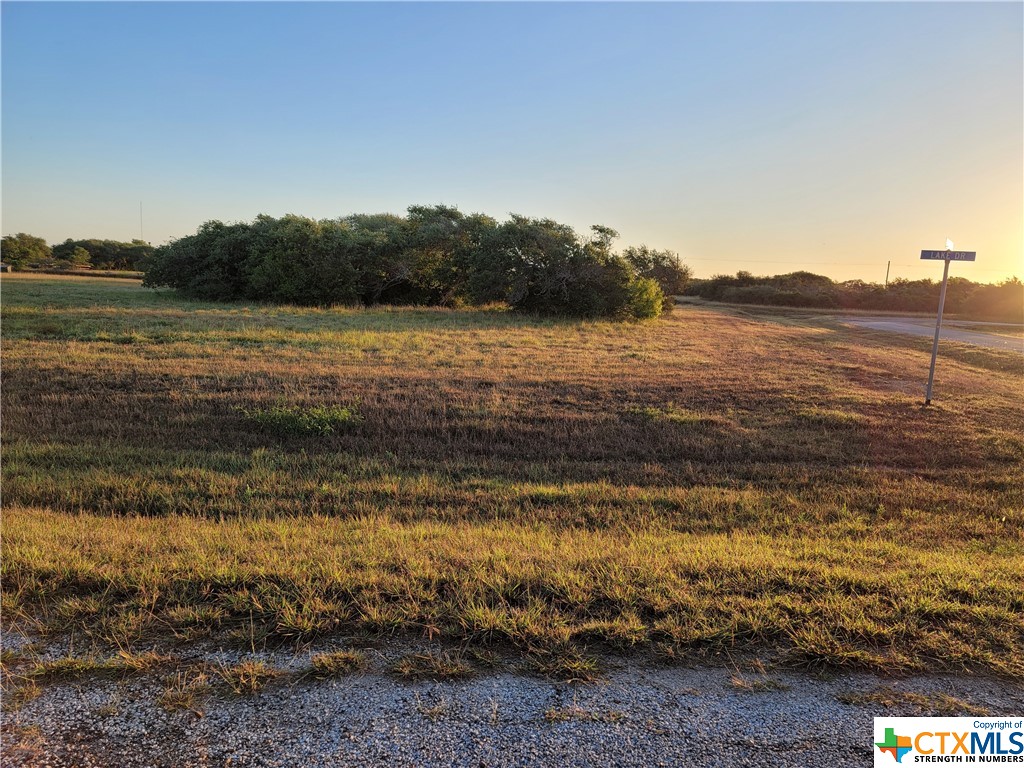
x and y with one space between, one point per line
870 603
696 484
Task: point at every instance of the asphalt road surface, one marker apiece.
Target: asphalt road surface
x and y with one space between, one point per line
924 327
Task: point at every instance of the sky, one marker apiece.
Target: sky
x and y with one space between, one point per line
770 137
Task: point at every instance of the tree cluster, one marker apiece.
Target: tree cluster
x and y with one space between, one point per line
435 255
24 251
997 302
104 254
21 250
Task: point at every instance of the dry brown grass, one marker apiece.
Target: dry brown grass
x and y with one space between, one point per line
710 480
247 677
186 690
936 704
337 663
432 665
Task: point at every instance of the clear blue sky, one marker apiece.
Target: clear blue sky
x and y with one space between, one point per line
769 137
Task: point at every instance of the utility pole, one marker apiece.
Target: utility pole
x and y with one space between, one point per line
887 265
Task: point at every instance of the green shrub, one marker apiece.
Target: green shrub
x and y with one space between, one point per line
646 299
285 421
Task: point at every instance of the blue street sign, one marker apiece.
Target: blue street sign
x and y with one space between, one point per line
951 255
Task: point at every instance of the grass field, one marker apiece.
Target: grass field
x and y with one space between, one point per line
715 481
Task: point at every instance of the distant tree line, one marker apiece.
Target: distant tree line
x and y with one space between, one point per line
998 302
434 255
24 251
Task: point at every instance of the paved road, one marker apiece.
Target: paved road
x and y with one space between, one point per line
924 327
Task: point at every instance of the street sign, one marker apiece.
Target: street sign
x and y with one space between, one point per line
950 255
947 256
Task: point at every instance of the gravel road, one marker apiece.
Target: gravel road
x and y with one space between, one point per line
924 327
638 715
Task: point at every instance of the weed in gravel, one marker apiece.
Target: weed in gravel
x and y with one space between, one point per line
432 665
935 704
433 711
24 744
756 684
18 691
70 668
112 706
184 691
146 661
337 663
246 677
495 717
565 662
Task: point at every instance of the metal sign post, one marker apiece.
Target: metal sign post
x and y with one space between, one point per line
947 256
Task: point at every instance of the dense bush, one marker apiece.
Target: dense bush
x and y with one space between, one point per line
1000 302
435 255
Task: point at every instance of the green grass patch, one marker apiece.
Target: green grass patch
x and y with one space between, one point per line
287 421
675 414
